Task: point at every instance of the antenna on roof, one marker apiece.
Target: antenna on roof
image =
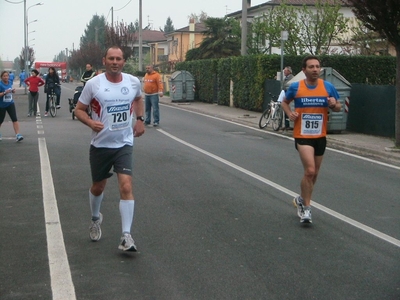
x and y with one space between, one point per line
149 22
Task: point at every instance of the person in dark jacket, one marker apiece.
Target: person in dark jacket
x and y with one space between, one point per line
89 74
52 83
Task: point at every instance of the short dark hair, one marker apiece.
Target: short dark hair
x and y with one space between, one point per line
114 47
35 71
307 58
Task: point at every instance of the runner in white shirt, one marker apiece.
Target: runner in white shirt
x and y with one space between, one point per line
113 97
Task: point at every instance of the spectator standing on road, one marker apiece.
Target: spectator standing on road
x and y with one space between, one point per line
153 89
113 97
11 77
22 77
89 74
7 104
52 83
33 82
312 97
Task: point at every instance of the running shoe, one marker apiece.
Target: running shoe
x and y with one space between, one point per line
19 137
58 106
46 114
306 217
298 202
95 230
155 124
127 243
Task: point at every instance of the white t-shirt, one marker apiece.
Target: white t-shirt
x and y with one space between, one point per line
111 104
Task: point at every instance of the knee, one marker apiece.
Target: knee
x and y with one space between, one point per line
97 189
125 188
310 173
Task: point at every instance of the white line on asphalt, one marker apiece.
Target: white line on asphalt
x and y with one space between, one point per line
285 137
60 274
328 211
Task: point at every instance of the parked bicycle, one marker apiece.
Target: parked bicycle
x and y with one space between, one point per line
272 114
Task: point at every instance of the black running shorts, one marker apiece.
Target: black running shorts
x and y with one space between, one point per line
319 144
102 159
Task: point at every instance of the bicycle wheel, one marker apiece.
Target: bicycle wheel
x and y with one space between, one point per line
52 108
265 118
277 118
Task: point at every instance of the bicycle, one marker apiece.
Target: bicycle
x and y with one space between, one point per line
266 115
52 103
277 116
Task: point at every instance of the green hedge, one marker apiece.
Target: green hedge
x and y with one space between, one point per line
248 73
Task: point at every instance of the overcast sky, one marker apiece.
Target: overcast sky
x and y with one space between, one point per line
61 23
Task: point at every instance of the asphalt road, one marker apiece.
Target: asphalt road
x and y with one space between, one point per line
213 217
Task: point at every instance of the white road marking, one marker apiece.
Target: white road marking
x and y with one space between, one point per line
60 274
328 211
285 137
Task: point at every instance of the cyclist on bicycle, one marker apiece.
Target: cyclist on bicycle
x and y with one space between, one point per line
89 74
52 84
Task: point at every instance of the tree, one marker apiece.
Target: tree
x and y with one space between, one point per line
200 18
366 41
383 17
91 53
31 58
266 31
121 36
168 27
222 38
309 31
94 32
322 27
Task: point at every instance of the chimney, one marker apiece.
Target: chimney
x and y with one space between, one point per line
191 24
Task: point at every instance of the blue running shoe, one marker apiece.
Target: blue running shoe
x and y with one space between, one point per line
19 137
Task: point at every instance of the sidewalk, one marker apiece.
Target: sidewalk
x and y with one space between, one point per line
374 147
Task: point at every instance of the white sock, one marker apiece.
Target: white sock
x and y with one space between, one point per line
95 203
126 209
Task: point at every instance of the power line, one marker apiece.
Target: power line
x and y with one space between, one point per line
124 6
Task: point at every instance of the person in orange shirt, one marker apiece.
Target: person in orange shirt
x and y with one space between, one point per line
153 89
312 98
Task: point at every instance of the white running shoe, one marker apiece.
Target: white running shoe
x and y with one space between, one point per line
298 202
127 243
306 217
95 230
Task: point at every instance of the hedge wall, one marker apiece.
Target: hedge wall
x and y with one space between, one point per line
248 73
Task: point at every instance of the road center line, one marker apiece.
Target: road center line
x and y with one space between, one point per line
60 274
327 210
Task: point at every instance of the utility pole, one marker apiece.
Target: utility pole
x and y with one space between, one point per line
112 16
140 36
243 50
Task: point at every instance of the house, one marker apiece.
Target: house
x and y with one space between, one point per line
154 44
182 40
258 11
171 47
8 65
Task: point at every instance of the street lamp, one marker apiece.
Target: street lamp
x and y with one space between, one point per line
284 37
26 36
